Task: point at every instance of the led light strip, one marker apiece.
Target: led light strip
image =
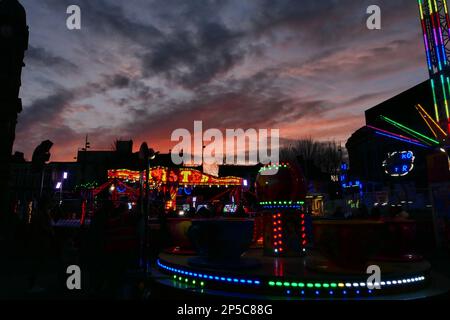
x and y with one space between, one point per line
277 233
205 276
274 167
343 285
289 202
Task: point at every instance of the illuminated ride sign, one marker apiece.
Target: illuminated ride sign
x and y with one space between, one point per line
176 176
399 163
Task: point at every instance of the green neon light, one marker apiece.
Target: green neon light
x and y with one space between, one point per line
333 285
411 131
271 283
435 101
287 284
445 95
310 285
279 284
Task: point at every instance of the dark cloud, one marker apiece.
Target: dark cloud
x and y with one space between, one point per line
42 58
193 58
230 63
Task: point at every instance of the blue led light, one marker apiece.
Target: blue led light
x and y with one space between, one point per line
205 276
331 292
317 292
288 292
344 292
302 292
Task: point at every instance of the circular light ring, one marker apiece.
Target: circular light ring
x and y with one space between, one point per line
297 287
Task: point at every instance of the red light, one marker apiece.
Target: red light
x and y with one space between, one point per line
304 242
303 216
280 242
303 235
274 216
279 215
303 228
279 228
281 249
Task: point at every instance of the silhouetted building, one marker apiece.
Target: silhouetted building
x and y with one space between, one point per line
13 44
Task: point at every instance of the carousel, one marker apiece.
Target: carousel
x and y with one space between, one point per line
299 258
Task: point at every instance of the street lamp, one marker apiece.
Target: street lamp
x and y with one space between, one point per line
60 184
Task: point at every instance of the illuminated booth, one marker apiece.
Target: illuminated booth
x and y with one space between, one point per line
168 182
281 191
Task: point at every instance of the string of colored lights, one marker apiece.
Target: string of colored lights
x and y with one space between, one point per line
303 240
208 276
273 167
414 133
281 204
288 287
277 233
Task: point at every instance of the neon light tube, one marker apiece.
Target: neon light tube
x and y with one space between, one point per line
411 131
426 121
435 101
430 118
393 134
400 139
420 9
445 95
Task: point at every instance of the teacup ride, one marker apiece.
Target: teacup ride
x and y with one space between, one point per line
332 265
178 230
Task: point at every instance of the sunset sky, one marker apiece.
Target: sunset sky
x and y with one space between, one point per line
139 69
